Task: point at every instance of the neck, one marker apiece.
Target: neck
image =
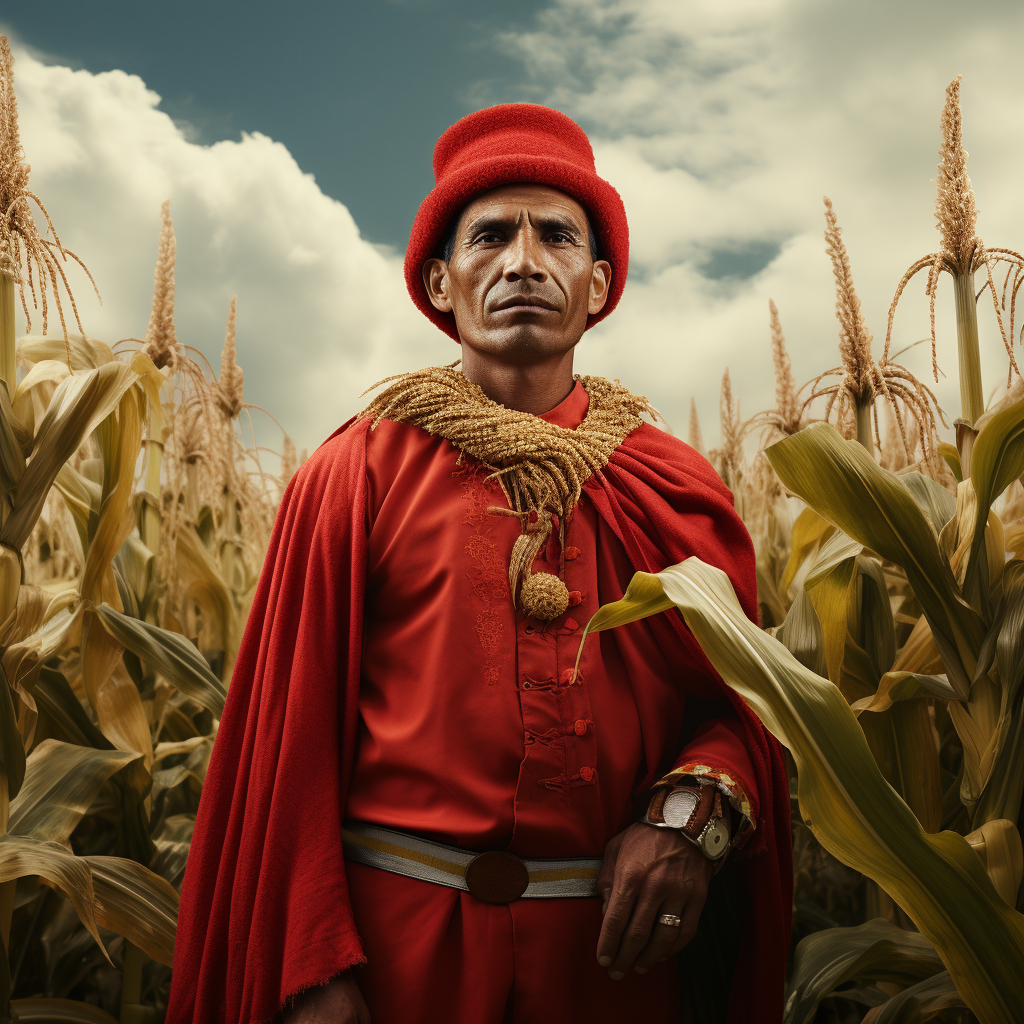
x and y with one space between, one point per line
536 388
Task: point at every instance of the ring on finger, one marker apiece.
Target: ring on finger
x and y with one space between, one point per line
672 920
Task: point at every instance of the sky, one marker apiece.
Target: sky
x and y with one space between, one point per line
295 147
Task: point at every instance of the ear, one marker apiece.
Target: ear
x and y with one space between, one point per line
435 280
600 283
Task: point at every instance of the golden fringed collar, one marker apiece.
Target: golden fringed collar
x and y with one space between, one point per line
538 464
541 466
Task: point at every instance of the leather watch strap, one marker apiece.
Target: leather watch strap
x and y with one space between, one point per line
694 810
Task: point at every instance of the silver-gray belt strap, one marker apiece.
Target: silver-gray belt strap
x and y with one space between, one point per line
493 877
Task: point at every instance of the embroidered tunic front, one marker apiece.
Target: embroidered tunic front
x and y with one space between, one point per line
472 729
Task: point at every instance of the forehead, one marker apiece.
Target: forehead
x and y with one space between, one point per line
538 200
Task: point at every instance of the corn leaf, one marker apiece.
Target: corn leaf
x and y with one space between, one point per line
170 654
120 437
61 781
998 845
87 352
856 816
1002 795
873 951
204 582
834 551
873 627
831 599
952 459
896 686
919 653
83 498
61 616
172 842
932 498
49 371
841 481
136 903
12 748
55 698
21 856
114 696
809 529
997 461
12 461
802 634
78 405
51 1010
920 1002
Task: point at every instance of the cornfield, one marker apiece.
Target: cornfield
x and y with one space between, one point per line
133 524
890 562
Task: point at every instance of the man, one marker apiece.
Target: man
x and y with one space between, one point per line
408 758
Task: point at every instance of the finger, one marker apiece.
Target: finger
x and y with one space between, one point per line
617 915
606 876
636 934
691 919
664 937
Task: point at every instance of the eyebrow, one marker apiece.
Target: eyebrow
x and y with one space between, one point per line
492 221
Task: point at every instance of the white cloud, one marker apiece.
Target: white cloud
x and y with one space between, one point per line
722 125
322 314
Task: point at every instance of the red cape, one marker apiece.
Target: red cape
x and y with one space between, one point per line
265 911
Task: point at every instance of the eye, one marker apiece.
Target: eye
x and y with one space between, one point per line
488 237
561 238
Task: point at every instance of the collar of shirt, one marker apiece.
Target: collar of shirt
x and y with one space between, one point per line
569 413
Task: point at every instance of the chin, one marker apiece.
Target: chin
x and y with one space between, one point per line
526 342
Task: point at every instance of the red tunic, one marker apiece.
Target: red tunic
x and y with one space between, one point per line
468 728
451 714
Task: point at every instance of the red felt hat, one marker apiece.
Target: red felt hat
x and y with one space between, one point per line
515 142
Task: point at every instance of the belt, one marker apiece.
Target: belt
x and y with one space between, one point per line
496 876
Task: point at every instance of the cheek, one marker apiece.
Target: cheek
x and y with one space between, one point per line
577 282
469 279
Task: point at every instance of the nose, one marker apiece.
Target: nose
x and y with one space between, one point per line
523 259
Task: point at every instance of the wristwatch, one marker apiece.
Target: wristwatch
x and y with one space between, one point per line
695 812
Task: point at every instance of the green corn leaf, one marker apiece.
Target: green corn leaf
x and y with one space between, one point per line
873 951
952 459
78 405
932 498
841 481
919 1003
855 815
168 653
997 461
61 781
801 633
896 686
830 596
809 530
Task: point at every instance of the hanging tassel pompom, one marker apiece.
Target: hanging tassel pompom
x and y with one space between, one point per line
543 596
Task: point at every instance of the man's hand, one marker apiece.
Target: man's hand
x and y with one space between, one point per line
337 1002
647 872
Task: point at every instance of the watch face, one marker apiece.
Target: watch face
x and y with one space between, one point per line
679 807
715 840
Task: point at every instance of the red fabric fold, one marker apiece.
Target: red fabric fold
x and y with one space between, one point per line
265 911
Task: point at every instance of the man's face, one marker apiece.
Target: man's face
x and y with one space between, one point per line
521 281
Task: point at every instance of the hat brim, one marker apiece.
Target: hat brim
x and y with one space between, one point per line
603 205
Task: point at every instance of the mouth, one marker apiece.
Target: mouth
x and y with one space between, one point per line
525 303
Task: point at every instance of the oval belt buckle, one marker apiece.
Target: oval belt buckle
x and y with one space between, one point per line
497 877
